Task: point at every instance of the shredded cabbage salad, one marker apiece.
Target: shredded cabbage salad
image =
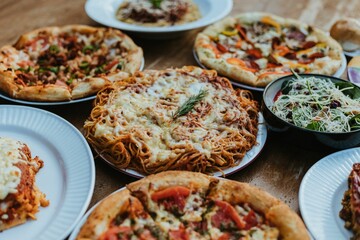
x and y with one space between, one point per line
319 104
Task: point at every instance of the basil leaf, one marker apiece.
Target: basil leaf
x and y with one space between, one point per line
54 49
156 3
354 122
314 125
354 92
54 69
286 87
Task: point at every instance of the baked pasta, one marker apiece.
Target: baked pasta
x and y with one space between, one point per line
19 197
183 119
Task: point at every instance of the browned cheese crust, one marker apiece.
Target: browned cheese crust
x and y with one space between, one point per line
248 48
64 63
132 124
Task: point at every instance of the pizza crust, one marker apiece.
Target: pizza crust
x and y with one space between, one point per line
210 59
278 213
99 220
54 92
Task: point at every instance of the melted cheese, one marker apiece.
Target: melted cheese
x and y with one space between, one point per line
10 174
145 111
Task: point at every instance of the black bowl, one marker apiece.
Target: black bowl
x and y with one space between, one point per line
300 135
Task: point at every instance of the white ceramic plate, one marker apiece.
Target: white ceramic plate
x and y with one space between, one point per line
68 175
84 218
338 73
352 54
104 12
249 157
321 192
34 103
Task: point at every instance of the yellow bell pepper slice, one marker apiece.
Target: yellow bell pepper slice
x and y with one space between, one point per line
272 22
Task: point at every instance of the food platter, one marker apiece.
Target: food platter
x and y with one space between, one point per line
338 73
321 192
35 103
249 157
68 175
103 12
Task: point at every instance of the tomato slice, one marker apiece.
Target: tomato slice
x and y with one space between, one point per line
171 192
117 233
225 236
180 234
230 212
146 235
251 220
256 53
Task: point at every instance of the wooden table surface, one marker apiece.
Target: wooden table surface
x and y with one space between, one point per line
281 165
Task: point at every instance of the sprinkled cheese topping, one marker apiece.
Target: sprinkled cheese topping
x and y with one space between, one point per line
10 174
149 109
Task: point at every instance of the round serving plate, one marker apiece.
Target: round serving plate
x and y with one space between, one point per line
321 192
67 177
104 12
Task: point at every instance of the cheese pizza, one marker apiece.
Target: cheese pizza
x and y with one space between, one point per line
19 197
187 205
187 118
256 48
64 63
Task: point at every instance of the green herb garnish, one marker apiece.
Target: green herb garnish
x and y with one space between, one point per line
355 122
84 65
54 49
88 48
189 104
349 89
156 3
54 69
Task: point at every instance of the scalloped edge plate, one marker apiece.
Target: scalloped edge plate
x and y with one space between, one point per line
68 175
321 192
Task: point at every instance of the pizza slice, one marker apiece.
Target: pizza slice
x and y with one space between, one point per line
120 217
350 212
19 196
238 210
176 200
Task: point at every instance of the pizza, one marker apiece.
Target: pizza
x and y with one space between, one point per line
181 119
350 211
256 48
158 12
19 196
187 205
64 63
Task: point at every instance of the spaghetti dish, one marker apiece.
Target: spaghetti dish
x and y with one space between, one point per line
183 119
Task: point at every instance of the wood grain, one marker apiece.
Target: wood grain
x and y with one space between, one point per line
280 166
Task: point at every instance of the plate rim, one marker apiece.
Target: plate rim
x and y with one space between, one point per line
333 157
338 73
227 6
87 149
5 96
257 148
81 222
